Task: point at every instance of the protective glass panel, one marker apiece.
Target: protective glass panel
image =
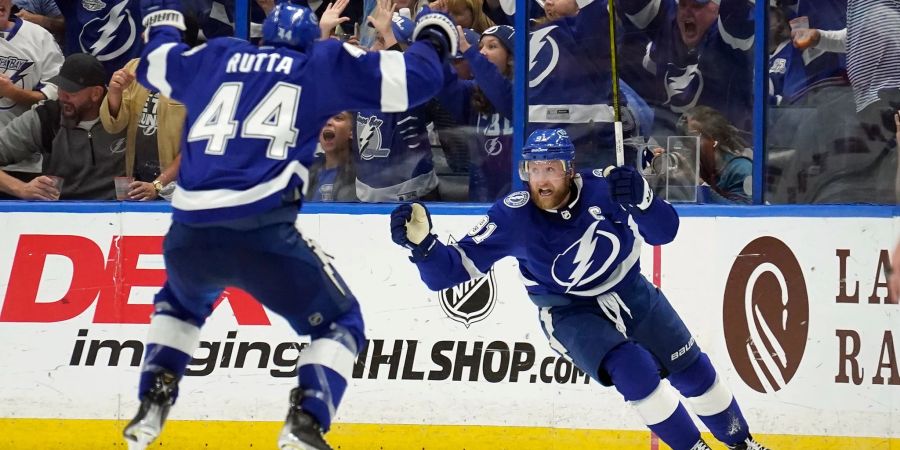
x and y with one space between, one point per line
832 130
674 60
456 147
672 173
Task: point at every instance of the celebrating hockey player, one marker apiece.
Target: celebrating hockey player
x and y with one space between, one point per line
577 237
254 115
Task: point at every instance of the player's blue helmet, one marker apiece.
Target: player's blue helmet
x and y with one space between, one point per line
291 26
551 144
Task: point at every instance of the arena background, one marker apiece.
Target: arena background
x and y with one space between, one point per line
466 368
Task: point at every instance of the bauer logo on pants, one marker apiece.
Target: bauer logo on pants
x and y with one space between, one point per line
766 314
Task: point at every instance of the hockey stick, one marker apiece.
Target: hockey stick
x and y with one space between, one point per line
614 69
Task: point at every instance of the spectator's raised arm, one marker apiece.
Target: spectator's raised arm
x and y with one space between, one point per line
736 23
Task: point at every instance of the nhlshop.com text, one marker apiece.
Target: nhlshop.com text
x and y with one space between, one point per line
391 359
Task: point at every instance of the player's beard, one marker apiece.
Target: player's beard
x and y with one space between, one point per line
558 195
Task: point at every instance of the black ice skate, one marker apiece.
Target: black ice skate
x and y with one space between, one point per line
301 431
701 445
155 404
748 444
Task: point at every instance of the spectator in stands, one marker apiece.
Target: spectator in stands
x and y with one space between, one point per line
873 53
110 30
466 13
460 63
485 104
154 126
29 57
43 13
856 154
69 135
807 70
700 54
392 151
781 53
725 161
570 83
332 176
452 137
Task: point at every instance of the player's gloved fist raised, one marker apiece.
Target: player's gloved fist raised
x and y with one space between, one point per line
411 228
162 12
439 29
628 187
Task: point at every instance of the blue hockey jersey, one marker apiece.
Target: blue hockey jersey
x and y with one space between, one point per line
393 156
110 30
490 146
254 113
583 250
569 76
718 73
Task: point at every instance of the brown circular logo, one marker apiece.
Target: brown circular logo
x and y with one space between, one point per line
766 314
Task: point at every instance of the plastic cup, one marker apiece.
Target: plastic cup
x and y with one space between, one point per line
800 23
122 188
57 182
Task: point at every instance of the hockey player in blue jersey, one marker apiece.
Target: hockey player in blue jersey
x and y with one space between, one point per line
577 237
254 115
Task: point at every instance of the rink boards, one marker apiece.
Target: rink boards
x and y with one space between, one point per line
793 311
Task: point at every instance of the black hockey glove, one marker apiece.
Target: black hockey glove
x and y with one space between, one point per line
628 187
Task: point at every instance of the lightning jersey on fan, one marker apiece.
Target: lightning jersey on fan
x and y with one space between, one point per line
718 73
254 113
108 29
393 156
29 57
587 248
569 74
793 72
491 133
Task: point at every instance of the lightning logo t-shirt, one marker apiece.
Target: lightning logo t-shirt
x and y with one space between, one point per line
108 29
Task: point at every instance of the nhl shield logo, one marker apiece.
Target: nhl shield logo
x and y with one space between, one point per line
471 301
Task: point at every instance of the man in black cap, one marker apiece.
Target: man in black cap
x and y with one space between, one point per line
68 134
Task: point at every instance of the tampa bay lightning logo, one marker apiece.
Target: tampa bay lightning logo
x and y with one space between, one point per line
586 259
15 69
544 53
684 86
779 65
493 127
493 146
368 137
517 199
111 36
